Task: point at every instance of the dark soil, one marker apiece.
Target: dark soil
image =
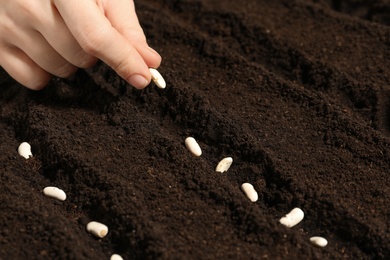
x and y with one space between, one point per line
297 92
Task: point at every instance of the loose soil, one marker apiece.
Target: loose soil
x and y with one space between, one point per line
296 92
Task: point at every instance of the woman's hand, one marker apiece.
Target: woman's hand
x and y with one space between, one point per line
41 38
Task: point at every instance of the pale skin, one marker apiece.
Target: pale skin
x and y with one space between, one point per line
42 38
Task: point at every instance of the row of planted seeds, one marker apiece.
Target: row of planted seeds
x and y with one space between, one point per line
96 228
291 219
100 230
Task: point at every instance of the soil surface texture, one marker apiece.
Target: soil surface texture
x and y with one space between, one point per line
296 92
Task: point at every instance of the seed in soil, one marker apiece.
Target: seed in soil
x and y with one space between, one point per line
224 164
319 241
293 218
193 146
250 191
116 257
55 193
157 78
24 150
97 229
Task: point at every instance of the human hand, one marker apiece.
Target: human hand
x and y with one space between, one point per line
41 38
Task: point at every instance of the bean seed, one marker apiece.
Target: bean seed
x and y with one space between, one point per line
193 146
224 164
293 218
55 193
157 78
116 257
250 191
97 229
319 241
24 150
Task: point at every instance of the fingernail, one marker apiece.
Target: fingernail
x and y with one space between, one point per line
138 81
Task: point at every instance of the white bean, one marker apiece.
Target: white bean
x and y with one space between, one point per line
250 191
224 164
193 146
24 150
157 78
319 241
55 193
97 229
293 218
116 257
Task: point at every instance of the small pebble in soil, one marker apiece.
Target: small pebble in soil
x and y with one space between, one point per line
193 146
55 193
293 218
319 241
24 150
116 257
97 229
157 78
224 164
250 191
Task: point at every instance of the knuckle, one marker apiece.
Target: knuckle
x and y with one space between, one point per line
65 70
93 40
28 12
122 67
9 27
85 61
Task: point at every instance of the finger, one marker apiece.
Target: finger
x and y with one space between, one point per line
96 36
24 70
57 34
123 17
43 54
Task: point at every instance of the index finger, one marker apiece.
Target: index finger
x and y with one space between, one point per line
122 15
96 35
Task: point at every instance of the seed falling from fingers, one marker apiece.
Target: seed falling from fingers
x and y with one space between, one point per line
157 78
55 193
98 229
319 241
24 150
193 146
250 191
293 218
224 164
